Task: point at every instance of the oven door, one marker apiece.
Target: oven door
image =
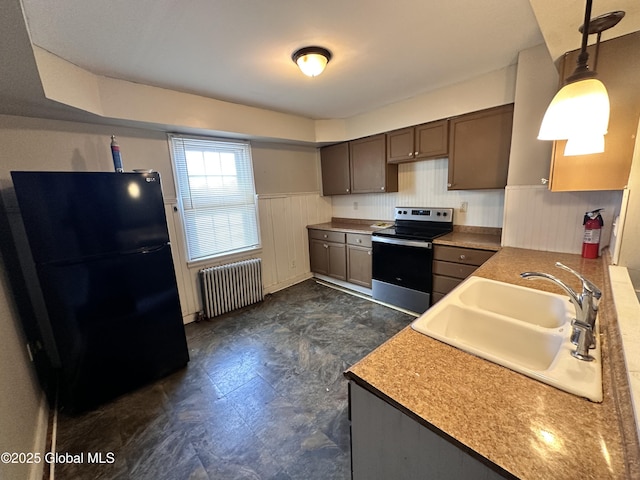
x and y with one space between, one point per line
402 272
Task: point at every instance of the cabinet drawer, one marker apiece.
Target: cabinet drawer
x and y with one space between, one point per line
469 256
450 269
445 284
327 235
361 239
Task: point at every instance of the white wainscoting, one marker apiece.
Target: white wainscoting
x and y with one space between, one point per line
285 246
424 184
538 219
285 253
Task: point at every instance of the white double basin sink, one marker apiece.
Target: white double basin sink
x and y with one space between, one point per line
520 328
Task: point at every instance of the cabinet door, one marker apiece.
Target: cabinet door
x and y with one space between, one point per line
619 69
387 443
400 146
318 256
369 169
479 146
334 161
337 260
432 140
359 265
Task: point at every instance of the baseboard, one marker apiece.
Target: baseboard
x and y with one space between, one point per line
40 441
287 283
361 292
343 284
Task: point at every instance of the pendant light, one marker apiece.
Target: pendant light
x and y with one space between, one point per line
311 60
579 112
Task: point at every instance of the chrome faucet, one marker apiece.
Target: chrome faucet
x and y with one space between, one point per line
586 306
590 293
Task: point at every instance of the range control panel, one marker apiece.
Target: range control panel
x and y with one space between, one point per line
419 214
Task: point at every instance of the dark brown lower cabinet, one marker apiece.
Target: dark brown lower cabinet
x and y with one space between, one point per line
328 258
342 256
387 443
451 265
359 259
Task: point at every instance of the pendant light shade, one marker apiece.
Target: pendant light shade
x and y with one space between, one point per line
579 109
311 60
579 112
584 145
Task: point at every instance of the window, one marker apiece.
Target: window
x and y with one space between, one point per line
216 195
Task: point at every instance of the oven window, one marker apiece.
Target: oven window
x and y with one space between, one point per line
408 267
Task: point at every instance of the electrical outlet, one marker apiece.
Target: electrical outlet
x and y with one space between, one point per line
293 264
464 206
355 205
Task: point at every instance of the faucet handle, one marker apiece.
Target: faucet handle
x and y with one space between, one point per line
587 285
585 339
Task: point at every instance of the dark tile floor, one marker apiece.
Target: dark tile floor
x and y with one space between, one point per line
263 397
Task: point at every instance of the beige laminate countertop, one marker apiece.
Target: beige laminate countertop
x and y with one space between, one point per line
481 241
365 226
524 427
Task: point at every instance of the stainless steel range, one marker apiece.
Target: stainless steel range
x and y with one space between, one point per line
403 256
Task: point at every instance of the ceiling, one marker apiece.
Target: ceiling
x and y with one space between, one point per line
240 50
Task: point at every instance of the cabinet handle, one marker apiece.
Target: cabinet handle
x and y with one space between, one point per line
381 188
359 240
417 153
325 236
369 252
410 154
347 190
463 256
449 185
325 245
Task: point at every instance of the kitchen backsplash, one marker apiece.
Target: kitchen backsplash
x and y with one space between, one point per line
424 184
538 219
530 215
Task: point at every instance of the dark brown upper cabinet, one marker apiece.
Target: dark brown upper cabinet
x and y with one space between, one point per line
479 146
358 166
619 69
429 140
370 172
334 162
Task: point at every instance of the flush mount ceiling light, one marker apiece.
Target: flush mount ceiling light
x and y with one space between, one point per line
579 112
311 60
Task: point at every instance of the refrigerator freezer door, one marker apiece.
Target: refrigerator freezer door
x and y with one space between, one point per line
73 215
117 324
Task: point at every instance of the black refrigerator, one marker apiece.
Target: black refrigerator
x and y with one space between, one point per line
99 243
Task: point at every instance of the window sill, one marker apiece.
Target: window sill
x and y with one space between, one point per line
226 258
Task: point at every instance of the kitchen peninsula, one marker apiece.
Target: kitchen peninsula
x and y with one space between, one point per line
500 423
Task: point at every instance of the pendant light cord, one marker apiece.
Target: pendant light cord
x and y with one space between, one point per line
582 69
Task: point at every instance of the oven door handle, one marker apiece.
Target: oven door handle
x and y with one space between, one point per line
404 243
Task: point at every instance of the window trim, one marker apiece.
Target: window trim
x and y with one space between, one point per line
219 257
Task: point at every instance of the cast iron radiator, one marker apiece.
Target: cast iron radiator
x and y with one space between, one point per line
231 286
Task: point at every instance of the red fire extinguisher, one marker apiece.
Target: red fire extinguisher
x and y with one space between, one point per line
592 227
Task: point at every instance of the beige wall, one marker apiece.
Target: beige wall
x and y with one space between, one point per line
32 144
35 144
536 84
281 173
22 411
280 168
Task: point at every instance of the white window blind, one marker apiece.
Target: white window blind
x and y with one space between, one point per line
216 194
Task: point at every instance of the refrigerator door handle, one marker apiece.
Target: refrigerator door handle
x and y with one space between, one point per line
155 248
